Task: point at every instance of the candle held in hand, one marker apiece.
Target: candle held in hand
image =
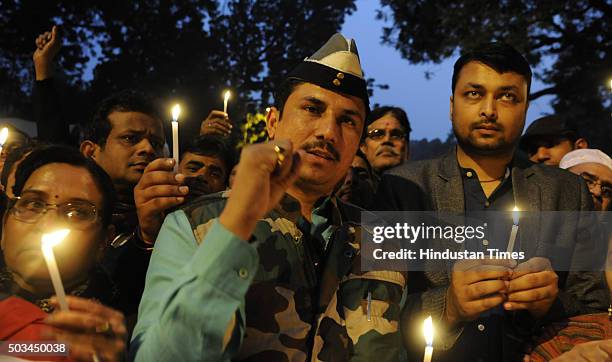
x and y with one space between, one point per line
3 136
48 241
428 333
226 97
176 112
514 231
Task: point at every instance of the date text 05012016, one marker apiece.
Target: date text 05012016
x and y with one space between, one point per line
33 348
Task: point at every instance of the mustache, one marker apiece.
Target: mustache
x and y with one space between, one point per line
487 124
197 187
141 160
322 145
386 149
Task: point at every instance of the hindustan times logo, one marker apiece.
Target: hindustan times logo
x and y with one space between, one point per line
413 233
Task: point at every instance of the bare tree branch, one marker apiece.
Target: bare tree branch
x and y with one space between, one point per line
540 41
543 92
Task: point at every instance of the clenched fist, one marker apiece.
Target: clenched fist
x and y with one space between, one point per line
263 175
48 45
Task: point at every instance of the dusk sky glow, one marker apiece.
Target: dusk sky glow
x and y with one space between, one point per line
425 100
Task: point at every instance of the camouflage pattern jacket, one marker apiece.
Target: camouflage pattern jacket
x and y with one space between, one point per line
295 292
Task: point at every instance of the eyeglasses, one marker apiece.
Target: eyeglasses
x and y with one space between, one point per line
77 214
592 181
394 134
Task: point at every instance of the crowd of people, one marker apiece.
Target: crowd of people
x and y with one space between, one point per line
254 253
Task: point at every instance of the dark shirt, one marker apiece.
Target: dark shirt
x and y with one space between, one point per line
482 339
127 259
477 205
498 335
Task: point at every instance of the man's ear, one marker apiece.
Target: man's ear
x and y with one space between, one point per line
581 143
89 149
272 119
363 148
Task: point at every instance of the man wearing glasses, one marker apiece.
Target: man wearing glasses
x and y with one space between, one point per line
595 167
386 143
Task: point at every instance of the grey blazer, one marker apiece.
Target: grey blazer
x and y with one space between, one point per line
436 185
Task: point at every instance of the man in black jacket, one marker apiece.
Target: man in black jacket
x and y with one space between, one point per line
489 314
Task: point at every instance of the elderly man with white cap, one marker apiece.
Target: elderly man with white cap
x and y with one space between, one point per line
595 167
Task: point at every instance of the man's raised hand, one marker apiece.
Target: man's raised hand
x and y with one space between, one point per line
48 44
263 175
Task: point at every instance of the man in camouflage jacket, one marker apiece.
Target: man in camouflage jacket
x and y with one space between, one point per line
270 271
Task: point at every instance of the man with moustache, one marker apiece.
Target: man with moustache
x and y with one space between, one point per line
387 140
272 272
487 309
125 135
205 164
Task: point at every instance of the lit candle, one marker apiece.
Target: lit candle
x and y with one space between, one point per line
48 241
176 111
514 231
428 332
226 97
3 136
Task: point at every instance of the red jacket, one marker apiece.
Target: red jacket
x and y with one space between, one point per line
21 320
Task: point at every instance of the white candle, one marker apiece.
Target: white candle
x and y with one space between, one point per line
428 332
226 97
428 354
3 136
176 111
48 241
514 231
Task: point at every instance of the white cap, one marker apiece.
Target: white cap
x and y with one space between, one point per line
585 155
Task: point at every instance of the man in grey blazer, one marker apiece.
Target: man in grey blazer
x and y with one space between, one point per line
487 310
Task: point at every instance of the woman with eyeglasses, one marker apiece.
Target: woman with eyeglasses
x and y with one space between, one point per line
58 188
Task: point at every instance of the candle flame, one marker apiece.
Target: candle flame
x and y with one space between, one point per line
176 112
515 215
53 238
226 95
428 331
3 135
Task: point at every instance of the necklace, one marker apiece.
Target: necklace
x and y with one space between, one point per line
492 180
506 174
